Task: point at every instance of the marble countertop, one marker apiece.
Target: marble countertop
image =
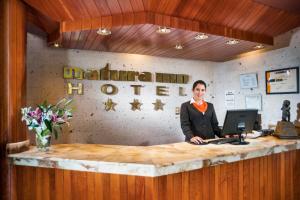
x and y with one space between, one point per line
150 161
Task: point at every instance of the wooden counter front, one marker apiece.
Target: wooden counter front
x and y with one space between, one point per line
268 168
270 177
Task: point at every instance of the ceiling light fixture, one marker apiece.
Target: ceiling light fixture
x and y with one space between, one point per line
163 30
259 46
201 36
232 42
104 31
178 46
56 44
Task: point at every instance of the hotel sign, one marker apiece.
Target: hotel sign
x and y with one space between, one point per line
121 75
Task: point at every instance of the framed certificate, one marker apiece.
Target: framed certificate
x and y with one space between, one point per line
248 80
282 81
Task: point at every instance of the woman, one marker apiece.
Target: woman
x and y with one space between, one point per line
198 118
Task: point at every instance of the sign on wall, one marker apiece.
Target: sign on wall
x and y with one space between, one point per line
105 73
121 75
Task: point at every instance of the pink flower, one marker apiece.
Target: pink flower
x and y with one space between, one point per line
38 115
31 114
54 118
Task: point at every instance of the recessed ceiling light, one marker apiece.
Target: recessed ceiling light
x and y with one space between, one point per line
201 36
259 46
232 42
163 30
104 31
178 46
56 44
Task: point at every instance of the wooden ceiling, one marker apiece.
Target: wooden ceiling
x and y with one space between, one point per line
37 19
143 39
289 5
133 24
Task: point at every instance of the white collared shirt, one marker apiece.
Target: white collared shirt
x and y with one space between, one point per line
193 101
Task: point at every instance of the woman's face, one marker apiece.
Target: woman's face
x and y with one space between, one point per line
199 91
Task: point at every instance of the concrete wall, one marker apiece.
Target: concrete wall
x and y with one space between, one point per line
227 77
91 123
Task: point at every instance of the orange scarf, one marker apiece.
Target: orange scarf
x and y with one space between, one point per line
201 108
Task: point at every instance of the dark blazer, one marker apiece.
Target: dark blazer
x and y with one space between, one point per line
195 123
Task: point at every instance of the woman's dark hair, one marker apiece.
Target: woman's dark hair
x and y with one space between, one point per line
199 82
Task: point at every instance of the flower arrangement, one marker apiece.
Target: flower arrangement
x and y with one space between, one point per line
47 119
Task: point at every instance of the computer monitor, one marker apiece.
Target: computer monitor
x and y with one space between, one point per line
239 121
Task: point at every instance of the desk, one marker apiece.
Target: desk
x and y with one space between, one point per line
266 168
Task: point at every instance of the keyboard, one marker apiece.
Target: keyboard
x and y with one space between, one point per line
222 140
219 141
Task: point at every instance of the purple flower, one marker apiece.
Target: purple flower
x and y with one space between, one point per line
37 114
44 114
31 114
54 118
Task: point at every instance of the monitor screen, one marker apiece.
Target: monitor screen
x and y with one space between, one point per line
237 120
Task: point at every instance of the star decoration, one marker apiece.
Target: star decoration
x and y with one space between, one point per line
136 105
158 105
109 105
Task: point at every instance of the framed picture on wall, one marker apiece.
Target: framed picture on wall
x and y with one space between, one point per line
248 80
282 81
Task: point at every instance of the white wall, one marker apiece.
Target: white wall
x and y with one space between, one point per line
91 123
226 77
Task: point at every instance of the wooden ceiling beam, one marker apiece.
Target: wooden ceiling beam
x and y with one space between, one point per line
292 6
163 20
54 37
40 21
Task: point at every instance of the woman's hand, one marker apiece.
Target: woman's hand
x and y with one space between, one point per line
196 140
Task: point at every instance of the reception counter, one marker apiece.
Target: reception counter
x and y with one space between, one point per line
267 168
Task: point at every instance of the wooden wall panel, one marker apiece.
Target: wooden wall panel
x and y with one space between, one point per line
270 177
12 84
16 82
3 95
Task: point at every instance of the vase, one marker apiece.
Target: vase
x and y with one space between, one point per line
43 142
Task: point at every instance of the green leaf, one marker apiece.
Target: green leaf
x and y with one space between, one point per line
45 103
35 125
41 107
48 124
69 101
55 133
60 112
45 132
49 107
61 101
